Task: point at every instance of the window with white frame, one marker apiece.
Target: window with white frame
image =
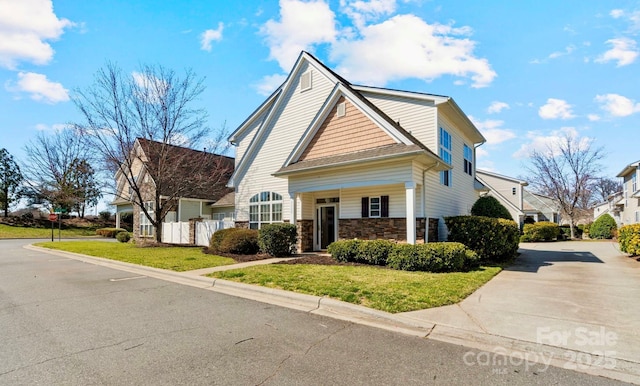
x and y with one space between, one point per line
374 207
637 216
634 182
265 208
468 160
445 154
146 226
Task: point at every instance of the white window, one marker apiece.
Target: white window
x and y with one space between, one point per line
634 182
374 207
637 216
445 154
218 216
513 191
305 81
468 160
146 227
265 208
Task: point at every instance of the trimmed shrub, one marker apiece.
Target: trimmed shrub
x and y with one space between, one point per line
542 231
109 232
278 239
235 240
345 250
493 239
123 237
432 257
603 227
240 242
489 206
374 252
629 239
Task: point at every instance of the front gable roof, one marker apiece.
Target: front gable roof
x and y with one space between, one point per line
628 169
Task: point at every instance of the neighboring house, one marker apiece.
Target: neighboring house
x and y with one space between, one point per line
540 208
198 201
520 202
629 203
507 190
346 161
613 206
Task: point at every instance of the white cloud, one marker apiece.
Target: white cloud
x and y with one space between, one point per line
481 152
567 51
375 51
211 35
39 88
593 117
624 52
550 144
26 26
617 105
56 127
492 131
406 46
497 107
302 25
269 83
556 109
632 17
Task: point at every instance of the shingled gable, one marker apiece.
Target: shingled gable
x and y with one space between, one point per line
192 165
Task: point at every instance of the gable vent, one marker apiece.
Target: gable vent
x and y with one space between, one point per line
342 109
305 81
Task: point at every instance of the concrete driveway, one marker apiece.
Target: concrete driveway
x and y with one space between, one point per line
580 297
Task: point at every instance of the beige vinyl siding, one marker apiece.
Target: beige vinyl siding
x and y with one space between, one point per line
388 172
418 117
293 117
349 133
631 204
189 209
454 200
351 200
244 141
505 188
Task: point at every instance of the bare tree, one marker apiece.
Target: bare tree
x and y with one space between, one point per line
154 109
10 181
51 168
565 172
604 187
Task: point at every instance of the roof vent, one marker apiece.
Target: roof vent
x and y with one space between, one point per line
342 109
305 81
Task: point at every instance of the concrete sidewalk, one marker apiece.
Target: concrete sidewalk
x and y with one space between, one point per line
571 304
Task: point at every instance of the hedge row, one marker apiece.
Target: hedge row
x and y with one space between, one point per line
273 239
432 257
540 231
493 239
109 232
629 239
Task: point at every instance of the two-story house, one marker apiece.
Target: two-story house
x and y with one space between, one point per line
343 161
629 203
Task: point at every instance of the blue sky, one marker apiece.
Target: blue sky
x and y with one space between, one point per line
525 72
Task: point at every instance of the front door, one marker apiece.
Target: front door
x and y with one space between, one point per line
326 226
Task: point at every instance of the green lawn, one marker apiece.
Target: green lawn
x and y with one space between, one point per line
382 289
13 232
174 258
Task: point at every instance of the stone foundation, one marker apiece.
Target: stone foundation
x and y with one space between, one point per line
380 228
242 224
433 229
305 235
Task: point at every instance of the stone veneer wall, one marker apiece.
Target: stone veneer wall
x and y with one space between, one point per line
305 235
242 224
380 228
433 229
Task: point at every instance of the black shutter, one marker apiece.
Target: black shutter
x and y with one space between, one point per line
365 207
384 206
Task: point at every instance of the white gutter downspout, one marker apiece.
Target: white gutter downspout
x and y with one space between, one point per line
424 200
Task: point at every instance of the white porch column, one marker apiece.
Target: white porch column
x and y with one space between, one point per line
117 219
410 188
294 208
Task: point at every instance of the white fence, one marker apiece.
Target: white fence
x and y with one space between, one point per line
178 232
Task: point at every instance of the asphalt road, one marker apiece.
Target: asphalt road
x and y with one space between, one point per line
67 322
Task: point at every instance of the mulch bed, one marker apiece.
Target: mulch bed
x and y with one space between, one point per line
299 259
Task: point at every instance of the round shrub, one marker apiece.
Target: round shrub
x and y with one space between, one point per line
278 239
432 257
603 227
493 239
217 237
109 232
240 242
345 250
123 237
489 206
629 239
374 252
542 231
